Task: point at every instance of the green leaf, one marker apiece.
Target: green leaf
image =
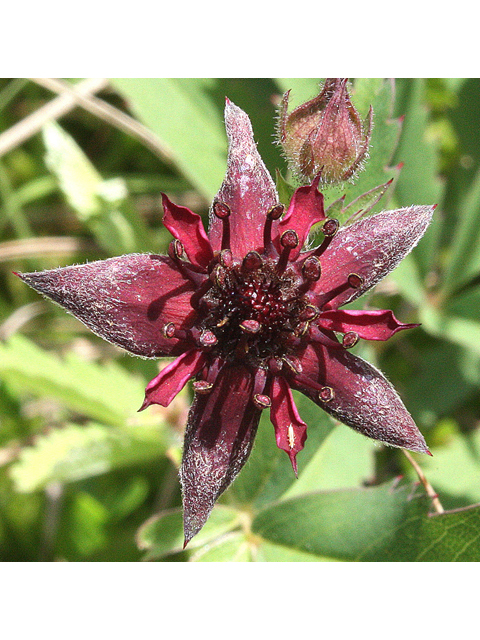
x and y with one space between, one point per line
233 547
455 468
380 524
162 535
465 304
101 204
408 281
364 203
74 453
464 254
419 182
77 177
441 376
182 115
345 459
284 188
380 94
462 331
269 552
107 392
87 520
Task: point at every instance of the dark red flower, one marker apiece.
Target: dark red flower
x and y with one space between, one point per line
249 316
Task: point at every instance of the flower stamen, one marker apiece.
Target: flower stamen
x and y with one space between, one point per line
289 240
202 387
222 211
329 228
274 214
175 251
326 394
350 339
262 401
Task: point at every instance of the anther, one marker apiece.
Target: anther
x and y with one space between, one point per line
326 394
252 261
289 240
311 269
355 281
208 339
276 212
169 330
350 339
302 329
202 386
262 401
309 313
330 227
225 320
293 364
221 210
250 326
176 250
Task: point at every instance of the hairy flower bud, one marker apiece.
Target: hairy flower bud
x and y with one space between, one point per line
325 135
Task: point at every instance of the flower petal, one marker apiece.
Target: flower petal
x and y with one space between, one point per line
360 396
219 437
370 248
290 430
248 189
171 380
305 210
126 300
187 227
370 325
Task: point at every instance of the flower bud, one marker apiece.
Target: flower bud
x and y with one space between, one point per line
325 135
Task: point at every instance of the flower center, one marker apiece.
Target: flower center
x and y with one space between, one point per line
252 310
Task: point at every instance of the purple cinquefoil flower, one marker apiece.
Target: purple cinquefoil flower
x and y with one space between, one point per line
249 314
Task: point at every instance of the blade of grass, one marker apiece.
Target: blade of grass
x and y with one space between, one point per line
110 114
32 124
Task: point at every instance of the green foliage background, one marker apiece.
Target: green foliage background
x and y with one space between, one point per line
84 477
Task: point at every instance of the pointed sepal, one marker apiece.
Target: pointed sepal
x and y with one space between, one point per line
247 189
221 428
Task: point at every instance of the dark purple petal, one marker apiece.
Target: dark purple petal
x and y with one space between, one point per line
219 437
171 380
305 210
370 248
358 395
126 300
290 430
247 189
370 325
186 226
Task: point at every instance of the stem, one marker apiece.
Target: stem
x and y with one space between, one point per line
428 487
32 124
110 114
